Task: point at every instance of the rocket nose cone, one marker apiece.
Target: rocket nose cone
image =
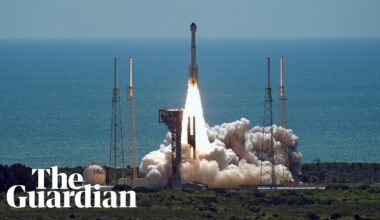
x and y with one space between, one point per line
193 27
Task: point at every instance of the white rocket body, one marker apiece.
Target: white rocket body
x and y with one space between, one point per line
193 67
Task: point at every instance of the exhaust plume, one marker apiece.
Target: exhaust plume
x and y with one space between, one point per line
193 108
235 155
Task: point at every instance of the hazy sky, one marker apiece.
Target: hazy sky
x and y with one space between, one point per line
171 18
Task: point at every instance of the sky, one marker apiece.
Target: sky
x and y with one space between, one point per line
171 18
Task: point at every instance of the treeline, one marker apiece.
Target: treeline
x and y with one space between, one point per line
17 174
313 173
341 173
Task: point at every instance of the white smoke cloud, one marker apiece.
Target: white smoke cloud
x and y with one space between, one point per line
237 155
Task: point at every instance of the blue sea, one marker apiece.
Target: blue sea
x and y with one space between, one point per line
55 95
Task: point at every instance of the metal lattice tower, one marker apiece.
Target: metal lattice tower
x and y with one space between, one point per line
268 122
117 154
282 119
173 119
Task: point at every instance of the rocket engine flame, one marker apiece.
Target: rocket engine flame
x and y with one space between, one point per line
193 108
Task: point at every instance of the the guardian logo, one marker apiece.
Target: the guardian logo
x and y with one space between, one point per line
71 190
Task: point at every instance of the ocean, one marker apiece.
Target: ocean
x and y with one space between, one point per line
55 95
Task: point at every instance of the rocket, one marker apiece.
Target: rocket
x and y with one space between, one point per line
193 67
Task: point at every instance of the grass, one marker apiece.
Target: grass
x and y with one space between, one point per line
349 203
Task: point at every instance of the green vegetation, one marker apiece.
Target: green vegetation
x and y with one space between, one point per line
16 174
332 203
353 199
341 173
316 173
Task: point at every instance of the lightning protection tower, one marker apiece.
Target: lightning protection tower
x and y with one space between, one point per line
282 120
131 100
282 97
268 122
117 154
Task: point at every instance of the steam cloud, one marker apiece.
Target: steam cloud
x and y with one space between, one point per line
234 158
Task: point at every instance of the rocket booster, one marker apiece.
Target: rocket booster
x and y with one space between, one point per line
193 67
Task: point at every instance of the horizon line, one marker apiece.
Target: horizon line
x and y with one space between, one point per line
185 38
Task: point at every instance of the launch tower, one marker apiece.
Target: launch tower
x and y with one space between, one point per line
173 120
